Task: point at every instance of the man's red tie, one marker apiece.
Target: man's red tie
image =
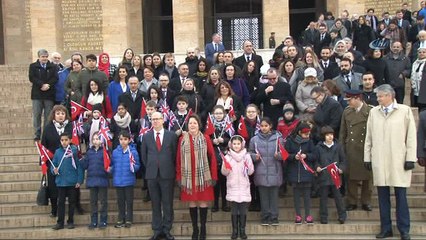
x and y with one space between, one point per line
158 141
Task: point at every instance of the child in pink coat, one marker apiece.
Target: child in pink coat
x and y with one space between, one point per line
237 167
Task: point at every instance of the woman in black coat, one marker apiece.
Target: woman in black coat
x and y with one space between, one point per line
208 91
375 63
58 124
363 35
194 100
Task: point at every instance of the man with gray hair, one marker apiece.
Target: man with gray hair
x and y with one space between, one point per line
43 75
213 47
56 59
390 152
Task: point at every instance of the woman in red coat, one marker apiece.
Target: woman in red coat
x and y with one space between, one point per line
196 173
96 96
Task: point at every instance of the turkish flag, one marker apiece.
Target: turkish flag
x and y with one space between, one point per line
75 110
209 126
45 155
283 152
231 112
334 173
107 160
143 109
242 129
225 162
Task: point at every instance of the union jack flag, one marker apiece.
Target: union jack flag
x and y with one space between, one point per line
68 153
132 161
257 126
79 123
165 109
245 169
105 134
144 129
229 128
172 120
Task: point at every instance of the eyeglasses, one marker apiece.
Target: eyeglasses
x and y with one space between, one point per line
315 98
156 119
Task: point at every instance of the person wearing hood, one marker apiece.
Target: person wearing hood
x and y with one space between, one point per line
399 67
105 66
238 184
268 175
88 73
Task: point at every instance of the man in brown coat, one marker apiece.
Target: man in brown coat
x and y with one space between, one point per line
352 137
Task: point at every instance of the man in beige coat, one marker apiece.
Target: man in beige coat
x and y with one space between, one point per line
390 152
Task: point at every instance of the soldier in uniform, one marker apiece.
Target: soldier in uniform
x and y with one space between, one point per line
352 136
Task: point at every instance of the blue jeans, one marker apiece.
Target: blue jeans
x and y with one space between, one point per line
402 212
40 106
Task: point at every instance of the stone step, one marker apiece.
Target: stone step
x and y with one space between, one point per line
143 210
16 151
12 159
17 141
19 167
217 230
415 200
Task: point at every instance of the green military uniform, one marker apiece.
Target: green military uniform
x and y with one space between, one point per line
353 128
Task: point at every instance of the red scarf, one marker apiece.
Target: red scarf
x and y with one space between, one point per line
104 67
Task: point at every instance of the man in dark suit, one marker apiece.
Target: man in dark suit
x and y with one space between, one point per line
402 23
310 35
158 153
167 93
176 83
133 99
372 18
248 55
331 69
406 12
323 39
347 79
213 47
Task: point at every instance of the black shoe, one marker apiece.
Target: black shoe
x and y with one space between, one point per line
226 208
215 209
264 222
341 220
70 226
58 226
147 197
80 210
274 222
366 207
128 224
384 234
405 236
351 207
52 215
168 236
156 236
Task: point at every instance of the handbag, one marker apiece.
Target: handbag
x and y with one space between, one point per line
42 197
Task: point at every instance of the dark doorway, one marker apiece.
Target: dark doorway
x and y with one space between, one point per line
1 35
303 12
158 26
236 21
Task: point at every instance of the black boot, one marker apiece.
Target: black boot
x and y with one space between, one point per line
234 226
147 197
242 221
80 209
225 206
203 220
193 212
54 211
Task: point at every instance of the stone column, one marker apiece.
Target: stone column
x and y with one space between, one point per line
115 27
276 18
188 25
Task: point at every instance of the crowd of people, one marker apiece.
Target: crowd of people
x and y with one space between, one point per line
324 116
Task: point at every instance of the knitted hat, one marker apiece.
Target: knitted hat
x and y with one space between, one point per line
97 107
288 108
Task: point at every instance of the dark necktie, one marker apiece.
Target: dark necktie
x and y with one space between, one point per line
164 94
158 141
134 96
322 36
248 58
325 64
215 47
386 111
348 81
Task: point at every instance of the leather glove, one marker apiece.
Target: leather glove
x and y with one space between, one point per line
408 165
422 161
367 166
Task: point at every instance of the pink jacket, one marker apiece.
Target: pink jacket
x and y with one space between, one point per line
237 183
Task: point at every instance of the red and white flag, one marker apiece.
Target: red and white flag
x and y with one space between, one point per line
144 129
107 159
105 134
143 109
225 162
305 165
45 155
76 109
165 111
229 127
69 154
231 112
172 120
242 129
283 151
209 126
80 129
257 126
335 175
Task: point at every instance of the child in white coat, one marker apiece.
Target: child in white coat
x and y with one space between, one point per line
237 167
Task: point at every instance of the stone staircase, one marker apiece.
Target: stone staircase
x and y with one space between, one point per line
21 218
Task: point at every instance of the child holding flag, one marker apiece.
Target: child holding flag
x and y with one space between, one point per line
237 170
122 121
220 139
331 162
69 177
268 175
97 161
299 167
124 164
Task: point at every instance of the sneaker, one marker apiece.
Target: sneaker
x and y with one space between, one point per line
91 226
298 219
103 225
264 222
128 224
275 222
119 224
309 220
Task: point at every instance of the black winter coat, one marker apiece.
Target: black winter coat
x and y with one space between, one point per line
326 156
39 76
296 171
363 35
329 112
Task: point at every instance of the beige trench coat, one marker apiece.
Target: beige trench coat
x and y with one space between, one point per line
389 143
